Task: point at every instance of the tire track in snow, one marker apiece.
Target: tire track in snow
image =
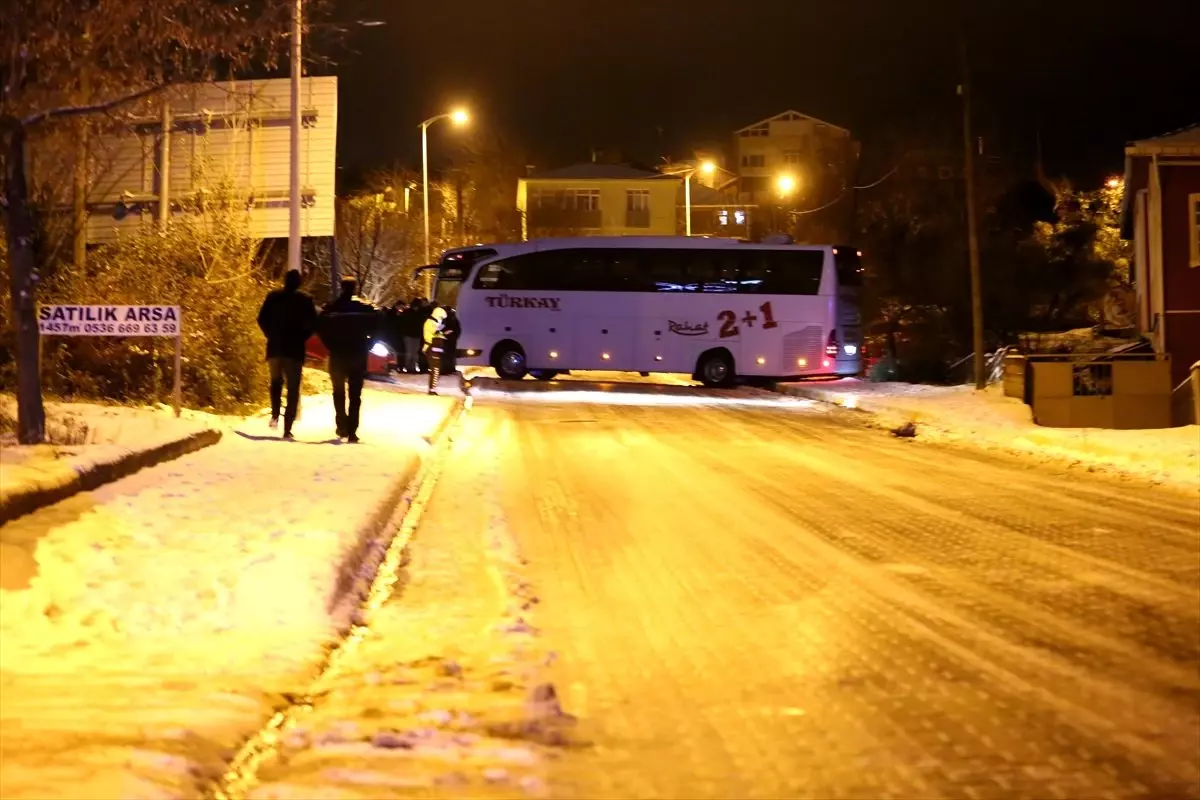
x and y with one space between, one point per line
241 773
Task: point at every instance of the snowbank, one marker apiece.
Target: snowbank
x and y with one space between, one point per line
169 612
94 444
991 420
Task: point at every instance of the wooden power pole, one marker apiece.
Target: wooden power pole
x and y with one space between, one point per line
972 230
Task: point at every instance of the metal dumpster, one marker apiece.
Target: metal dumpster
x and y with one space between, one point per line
1122 391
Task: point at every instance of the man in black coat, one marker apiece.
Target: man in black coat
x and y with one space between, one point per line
287 318
347 327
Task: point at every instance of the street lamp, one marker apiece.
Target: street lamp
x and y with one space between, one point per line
708 168
458 117
786 185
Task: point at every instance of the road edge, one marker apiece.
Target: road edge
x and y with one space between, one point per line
359 588
1069 461
358 567
97 474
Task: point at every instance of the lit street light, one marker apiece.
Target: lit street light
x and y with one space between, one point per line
458 117
786 185
1114 183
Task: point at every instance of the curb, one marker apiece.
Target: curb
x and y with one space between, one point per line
375 535
97 475
821 396
383 541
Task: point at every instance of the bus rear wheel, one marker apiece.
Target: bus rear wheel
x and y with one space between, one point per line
508 359
544 374
715 369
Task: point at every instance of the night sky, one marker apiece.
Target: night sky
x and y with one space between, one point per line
657 77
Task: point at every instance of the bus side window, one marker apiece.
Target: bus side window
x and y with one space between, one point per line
700 270
624 271
781 272
490 276
664 269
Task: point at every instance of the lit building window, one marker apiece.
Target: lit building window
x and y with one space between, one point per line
723 217
739 217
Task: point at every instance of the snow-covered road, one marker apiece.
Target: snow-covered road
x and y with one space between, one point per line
757 599
745 595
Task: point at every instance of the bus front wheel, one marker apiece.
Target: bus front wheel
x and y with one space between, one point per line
508 359
715 369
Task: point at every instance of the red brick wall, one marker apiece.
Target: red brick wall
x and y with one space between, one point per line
1181 282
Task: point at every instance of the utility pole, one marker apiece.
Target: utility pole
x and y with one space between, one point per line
294 184
972 232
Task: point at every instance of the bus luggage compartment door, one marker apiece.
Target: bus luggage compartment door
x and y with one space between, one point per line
604 343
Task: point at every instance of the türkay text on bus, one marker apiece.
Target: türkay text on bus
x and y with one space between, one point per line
717 309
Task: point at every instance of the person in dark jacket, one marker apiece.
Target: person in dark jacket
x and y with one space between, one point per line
411 325
394 333
347 327
451 330
287 318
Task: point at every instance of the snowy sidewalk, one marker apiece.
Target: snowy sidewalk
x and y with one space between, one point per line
990 420
94 444
167 613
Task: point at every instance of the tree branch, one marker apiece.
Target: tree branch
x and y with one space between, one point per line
94 108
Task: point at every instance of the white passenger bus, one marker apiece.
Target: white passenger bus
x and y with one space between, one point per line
717 309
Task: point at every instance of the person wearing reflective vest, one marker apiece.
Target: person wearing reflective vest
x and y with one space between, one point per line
435 345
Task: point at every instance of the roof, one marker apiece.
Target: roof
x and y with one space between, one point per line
597 172
790 115
1185 141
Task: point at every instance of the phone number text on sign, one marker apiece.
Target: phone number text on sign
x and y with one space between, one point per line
109 320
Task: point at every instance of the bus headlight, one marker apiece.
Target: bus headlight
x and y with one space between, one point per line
380 349
850 349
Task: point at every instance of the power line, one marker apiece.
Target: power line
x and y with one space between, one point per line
845 192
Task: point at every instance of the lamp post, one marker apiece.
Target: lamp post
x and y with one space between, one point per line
297 75
458 117
294 178
707 167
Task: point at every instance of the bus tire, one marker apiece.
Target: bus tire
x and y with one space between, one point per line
544 374
715 368
508 359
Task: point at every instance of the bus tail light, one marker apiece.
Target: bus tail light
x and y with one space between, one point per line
831 346
825 363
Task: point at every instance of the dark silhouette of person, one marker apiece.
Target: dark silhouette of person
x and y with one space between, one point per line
451 330
347 327
287 318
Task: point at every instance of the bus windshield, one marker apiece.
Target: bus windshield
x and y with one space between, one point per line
453 270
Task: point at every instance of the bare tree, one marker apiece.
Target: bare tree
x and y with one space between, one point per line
378 243
62 61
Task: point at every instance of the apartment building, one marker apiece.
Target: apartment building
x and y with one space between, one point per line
593 199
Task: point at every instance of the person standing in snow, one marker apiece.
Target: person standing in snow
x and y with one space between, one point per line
451 329
287 318
410 329
435 345
347 327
